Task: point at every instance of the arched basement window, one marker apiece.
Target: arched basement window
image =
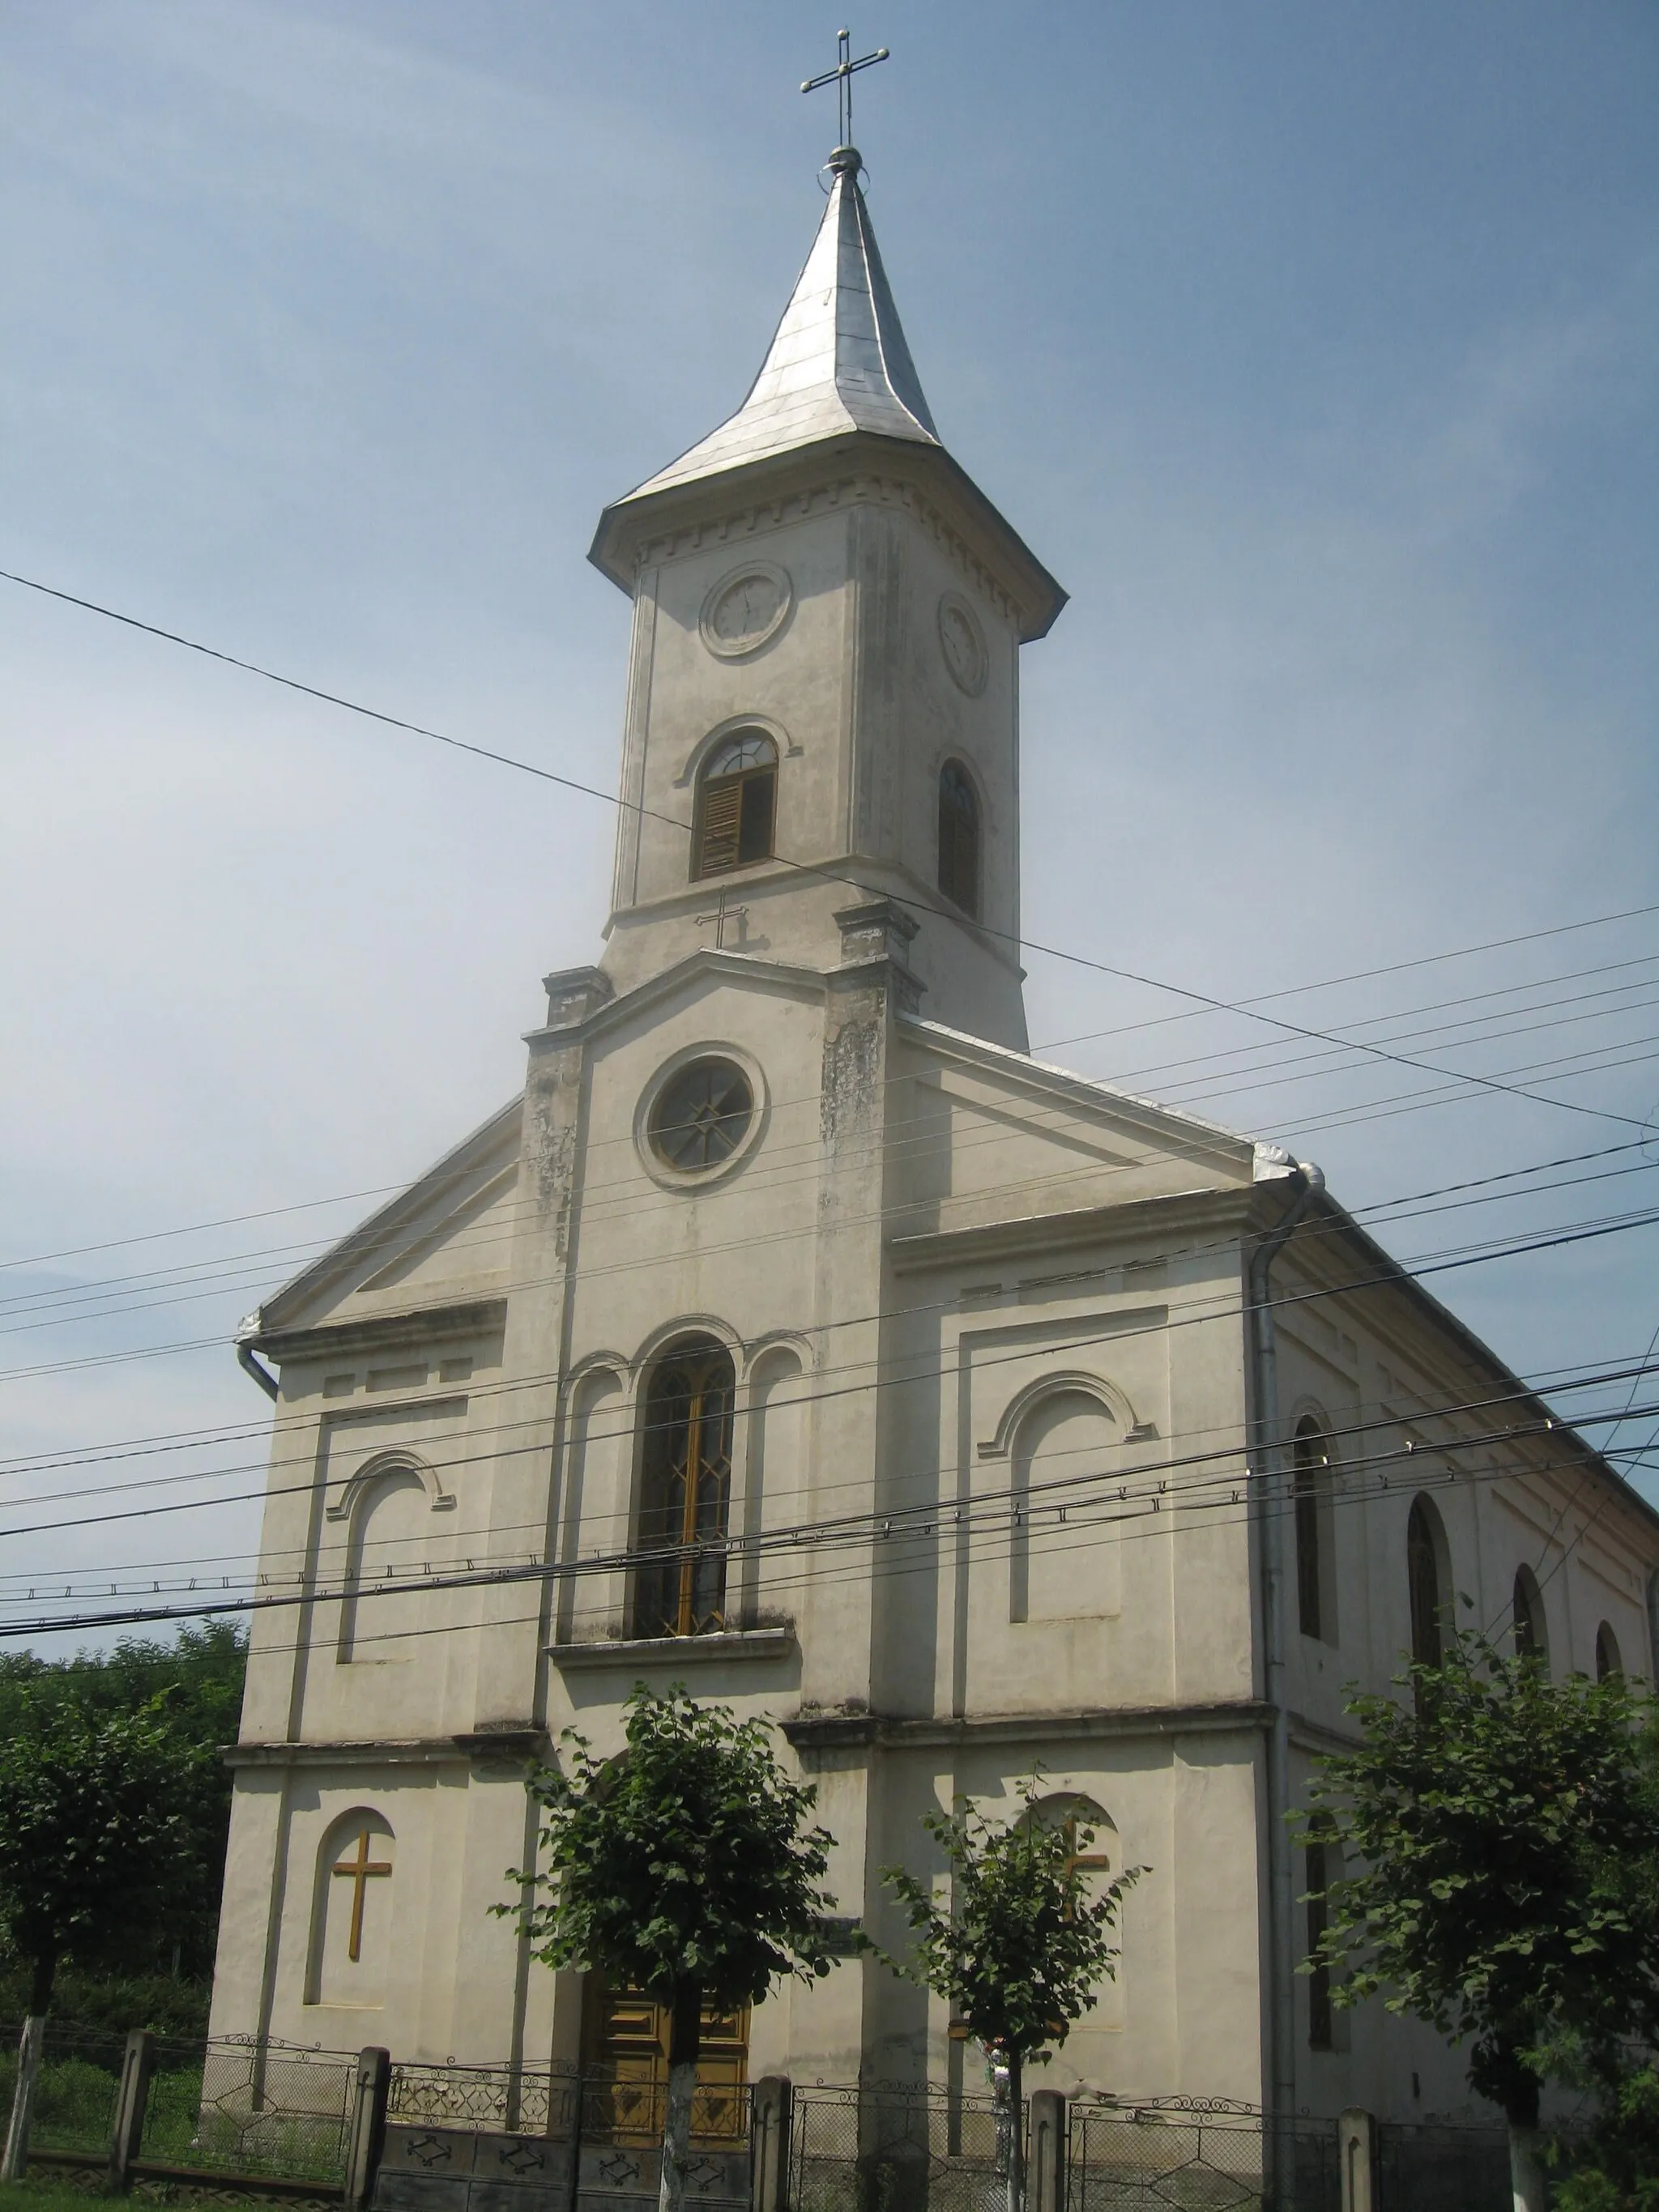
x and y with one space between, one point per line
1608 1661
1527 1610
958 838
685 1492
1423 1575
737 801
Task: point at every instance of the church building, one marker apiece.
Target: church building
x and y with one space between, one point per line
796 1336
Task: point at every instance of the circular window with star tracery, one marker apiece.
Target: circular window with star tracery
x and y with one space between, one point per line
699 1119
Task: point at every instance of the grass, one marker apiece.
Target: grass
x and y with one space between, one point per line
46 2193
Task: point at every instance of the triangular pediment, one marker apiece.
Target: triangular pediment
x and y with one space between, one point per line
445 1240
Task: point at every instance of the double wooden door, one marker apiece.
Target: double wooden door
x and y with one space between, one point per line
625 2067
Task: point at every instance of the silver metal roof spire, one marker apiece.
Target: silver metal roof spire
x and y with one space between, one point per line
839 360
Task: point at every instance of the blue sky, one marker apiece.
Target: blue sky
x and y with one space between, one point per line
1313 348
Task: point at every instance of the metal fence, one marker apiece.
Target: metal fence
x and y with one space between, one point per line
250 2108
1185 2153
1425 2169
897 2150
74 2093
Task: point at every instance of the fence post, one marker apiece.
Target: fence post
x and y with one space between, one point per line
1046 2167
14 2165
131 2099
368 2140
768 2164
1356 2151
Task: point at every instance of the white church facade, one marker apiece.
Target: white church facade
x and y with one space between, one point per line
796 1336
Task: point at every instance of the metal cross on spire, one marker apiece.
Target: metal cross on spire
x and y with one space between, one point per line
842 78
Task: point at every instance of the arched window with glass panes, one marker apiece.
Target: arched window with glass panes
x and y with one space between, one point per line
736 805
685 1492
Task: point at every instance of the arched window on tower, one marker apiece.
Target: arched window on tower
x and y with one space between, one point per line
1526 1611
1423 1543
685 1492
958 838
737 802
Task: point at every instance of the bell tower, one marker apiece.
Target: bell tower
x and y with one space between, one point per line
823 697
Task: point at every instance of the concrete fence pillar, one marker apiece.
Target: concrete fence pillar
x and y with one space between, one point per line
126 2134
14 2164
370 2091
1045 2173
1356 2150
769 2157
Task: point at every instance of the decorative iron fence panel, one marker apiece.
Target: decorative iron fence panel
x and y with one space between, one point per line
75 2091
515 2099
1181 2154
897 2150
1430 2169
250 2108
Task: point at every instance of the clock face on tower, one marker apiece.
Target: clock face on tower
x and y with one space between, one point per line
746 609
962 643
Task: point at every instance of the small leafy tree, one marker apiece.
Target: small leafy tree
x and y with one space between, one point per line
1022 1949
90 1832
1494 1826
686 1867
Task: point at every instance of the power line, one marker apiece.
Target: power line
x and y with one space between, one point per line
1201 999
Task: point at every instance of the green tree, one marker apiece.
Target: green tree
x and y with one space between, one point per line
198 1680
1494 1827
1023 1949
684 1867
90 1832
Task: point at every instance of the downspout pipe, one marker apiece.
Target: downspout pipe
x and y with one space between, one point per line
1303 1183
248 1361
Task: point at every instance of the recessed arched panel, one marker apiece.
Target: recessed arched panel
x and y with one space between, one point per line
351 1920
1608 1661
393 1544
1065 1552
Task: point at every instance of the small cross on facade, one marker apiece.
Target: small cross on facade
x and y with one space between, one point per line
357 1871
719 917
842 78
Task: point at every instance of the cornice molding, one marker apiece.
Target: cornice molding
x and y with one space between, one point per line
1231 1211
421 1325
831 1731
486 1746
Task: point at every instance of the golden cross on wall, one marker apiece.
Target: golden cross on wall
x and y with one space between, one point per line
358 1872
719 919
842 78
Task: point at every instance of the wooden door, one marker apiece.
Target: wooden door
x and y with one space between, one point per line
625 2067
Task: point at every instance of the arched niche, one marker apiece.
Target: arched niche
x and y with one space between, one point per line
594 1519
1095 1851
393 1542
351 1918
1609 1663
1065 1555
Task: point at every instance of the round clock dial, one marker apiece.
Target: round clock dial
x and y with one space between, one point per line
962 643
743 610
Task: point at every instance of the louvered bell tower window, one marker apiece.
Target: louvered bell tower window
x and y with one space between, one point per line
737 796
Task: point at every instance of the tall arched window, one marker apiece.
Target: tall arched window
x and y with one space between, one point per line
1608 1661
685 1492
736 800
958 838
1422 1574
1526 1611
1311 1465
